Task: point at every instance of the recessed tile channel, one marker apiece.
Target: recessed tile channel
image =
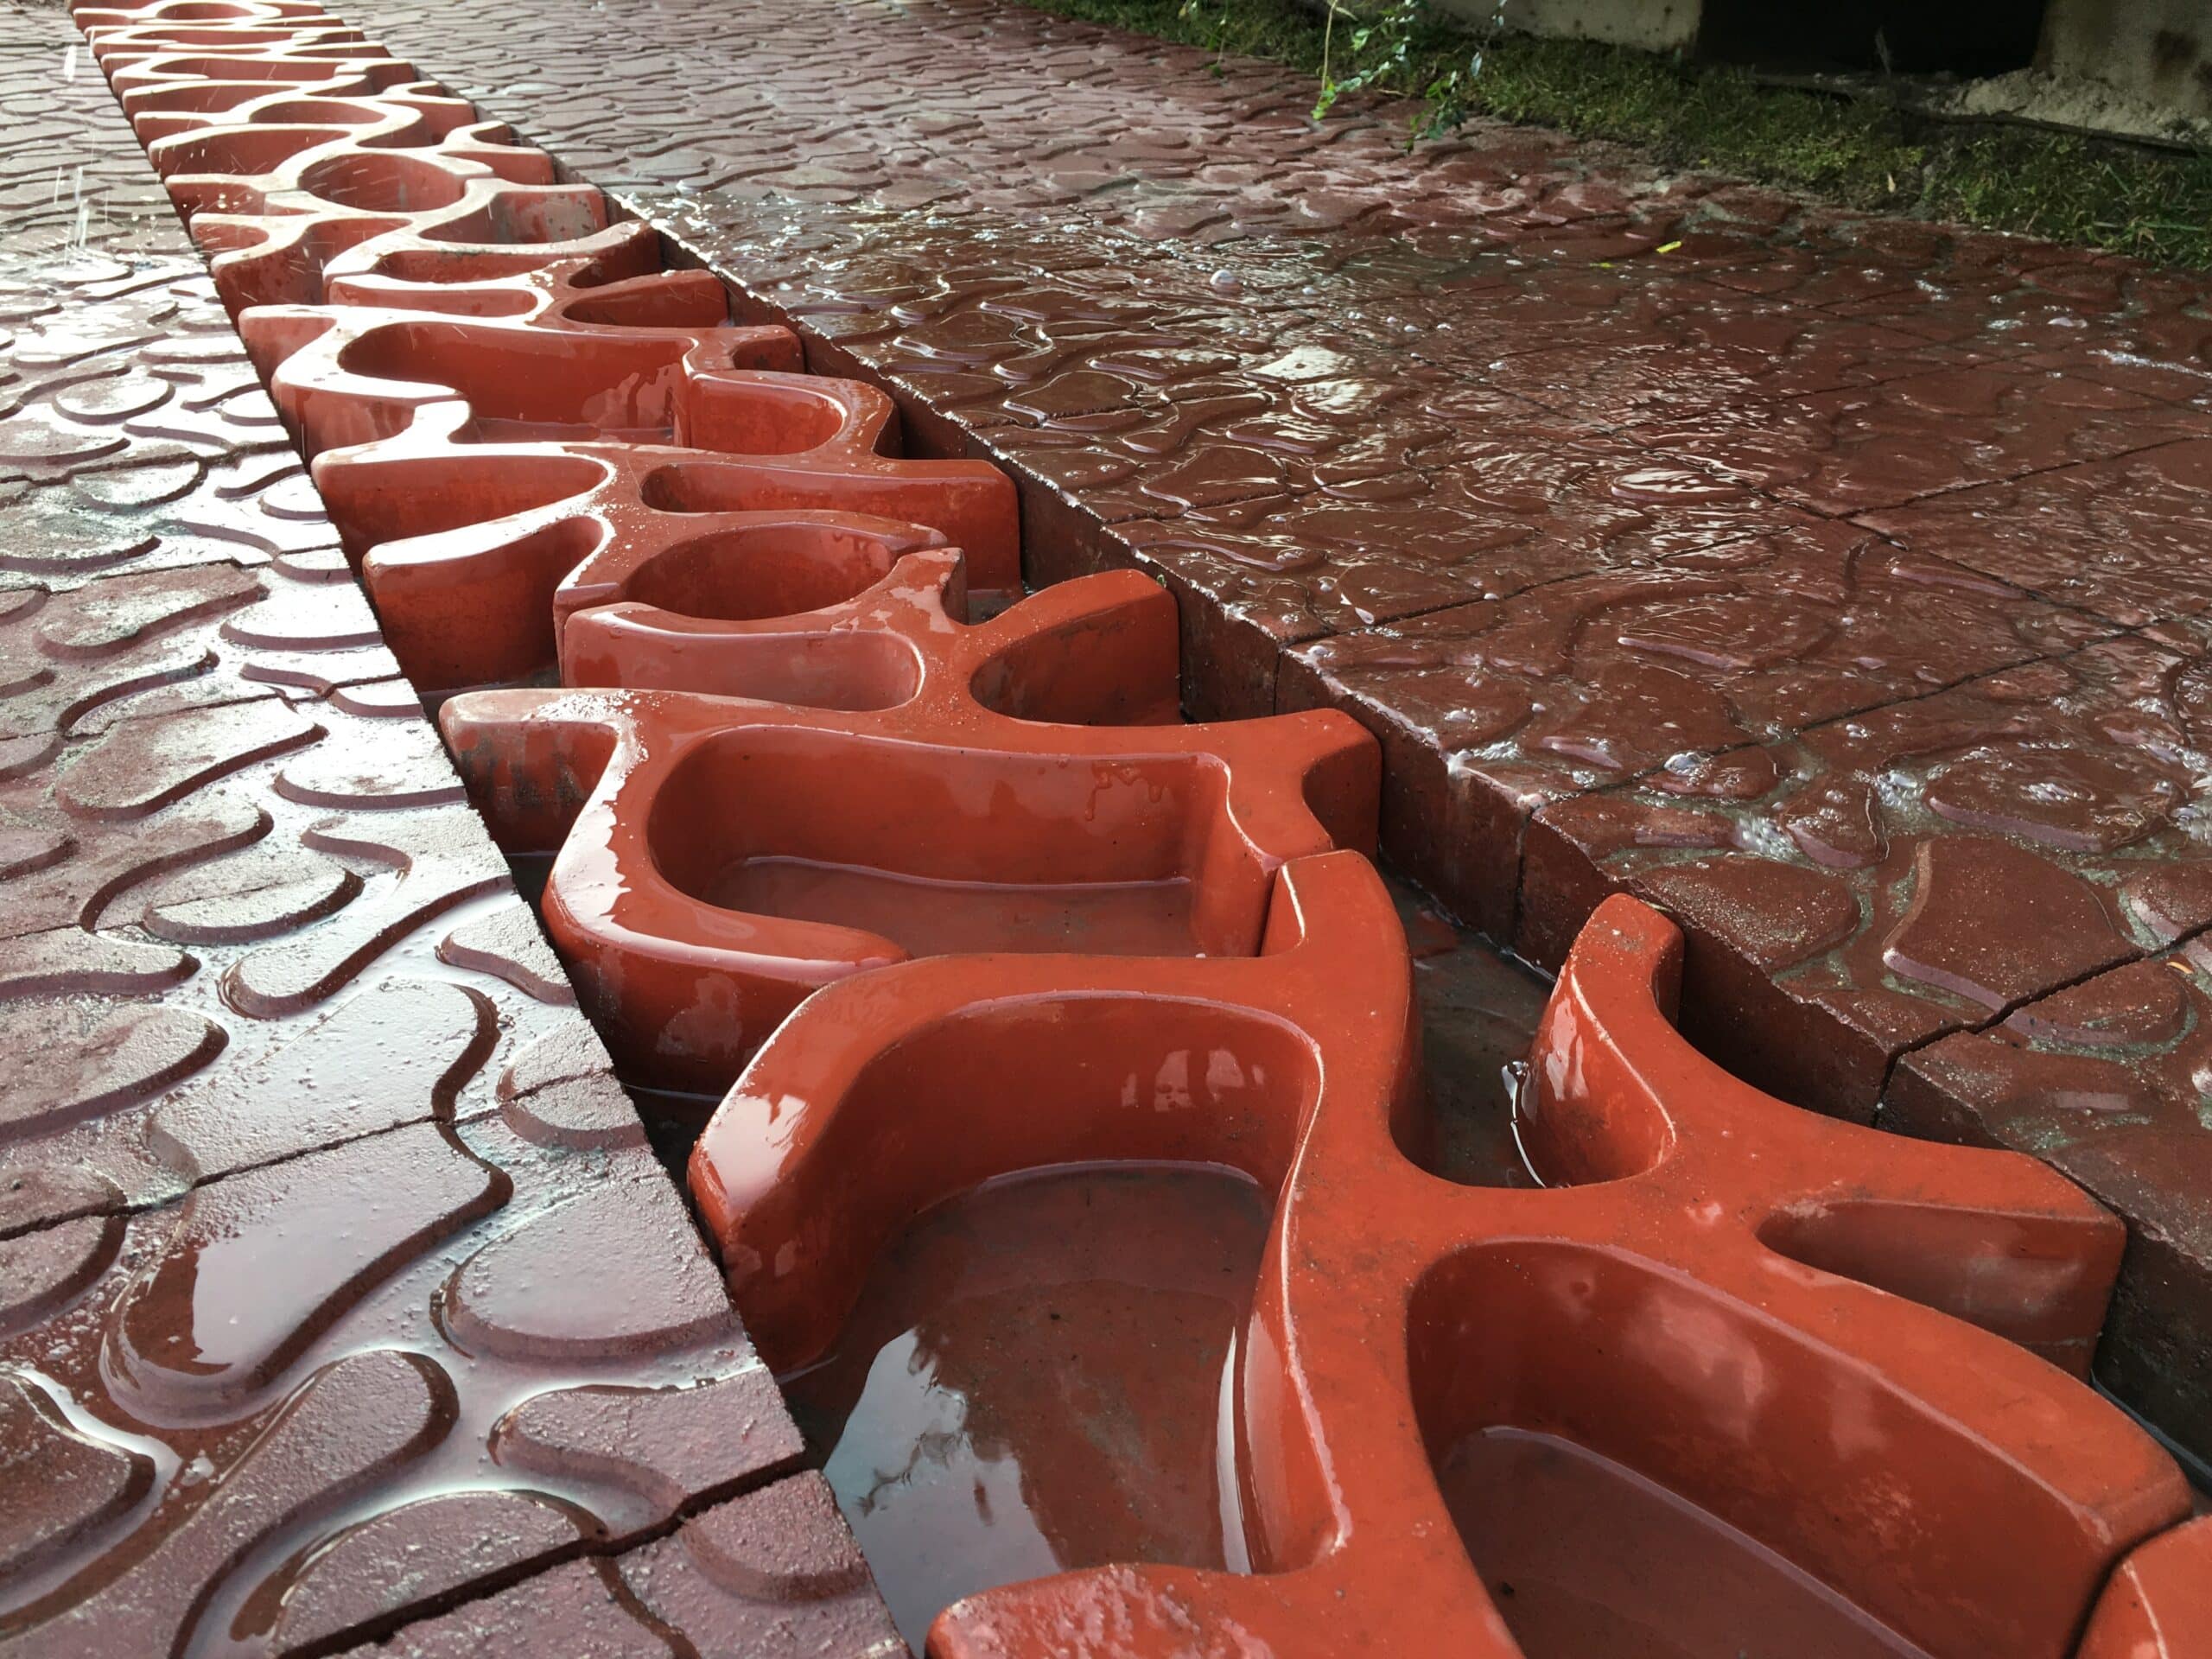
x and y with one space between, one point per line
1587 1560
1037 1377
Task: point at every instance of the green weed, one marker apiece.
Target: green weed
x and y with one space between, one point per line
2153 203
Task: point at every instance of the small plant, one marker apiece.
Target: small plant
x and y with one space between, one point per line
1397 45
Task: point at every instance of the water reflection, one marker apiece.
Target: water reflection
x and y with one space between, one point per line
1587 1560
1034 1380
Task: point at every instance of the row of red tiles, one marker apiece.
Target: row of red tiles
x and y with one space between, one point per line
876 1096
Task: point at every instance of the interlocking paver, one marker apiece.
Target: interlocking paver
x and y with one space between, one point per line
773 1574
1922 867
311 1178
1364 413
1699 1255
73 178
2121 538
2158 1605
1490 711
447 1339
716 862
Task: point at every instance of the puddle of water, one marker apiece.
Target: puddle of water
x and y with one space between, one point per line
929 917
1587 1560
1034 1380
1479 1010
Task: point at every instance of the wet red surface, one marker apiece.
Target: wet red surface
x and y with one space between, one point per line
1034 1379
2158 1605
1947 858
1587 1560
1019 920
2105 1080
338 1284
1608 499
1673 1301
773 1573
716 861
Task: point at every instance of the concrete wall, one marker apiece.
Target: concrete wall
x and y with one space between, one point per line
2155 56
2158 50
1649 25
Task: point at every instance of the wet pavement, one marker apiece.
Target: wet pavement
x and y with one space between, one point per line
1833 581
346 1299
338 1282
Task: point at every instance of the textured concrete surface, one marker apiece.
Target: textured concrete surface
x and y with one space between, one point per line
338 1282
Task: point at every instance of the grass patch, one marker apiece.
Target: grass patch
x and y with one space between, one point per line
2154 204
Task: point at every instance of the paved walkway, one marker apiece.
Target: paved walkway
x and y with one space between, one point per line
341 1298
338 1282
1838 583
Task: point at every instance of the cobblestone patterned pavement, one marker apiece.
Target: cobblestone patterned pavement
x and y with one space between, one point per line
338 1282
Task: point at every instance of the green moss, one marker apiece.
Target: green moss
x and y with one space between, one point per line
2140 199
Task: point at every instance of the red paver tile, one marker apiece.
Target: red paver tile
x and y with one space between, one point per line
337 1279
135 360
1202 449
2159 1603
1663 1172
773 1574
125 382
717 861
464 545
2120 538
351 374
260 1365
1477 520
1846 451
450 390
212 796
1704 362
73 179
477 469
1489 712
381 160
1919 869
2101 1080
727 616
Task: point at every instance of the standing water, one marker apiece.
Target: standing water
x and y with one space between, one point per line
1036 1378
1587 1560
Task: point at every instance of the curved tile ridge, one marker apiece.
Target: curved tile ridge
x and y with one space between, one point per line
464 545
356 181
2158 1605
462 452
1789 1322
717 861
286 145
